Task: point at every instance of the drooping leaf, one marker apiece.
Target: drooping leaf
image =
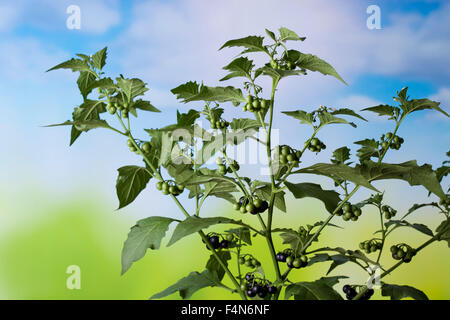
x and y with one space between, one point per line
85 83
130 182
421 104
302 190
214 266
347 112
317 290
418 226
99 58
144 105
384 110
286 34
190 284
408 171
146 234
194 224
338 171
83 125
313 63
397 292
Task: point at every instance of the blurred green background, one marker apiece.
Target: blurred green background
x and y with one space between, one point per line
48 236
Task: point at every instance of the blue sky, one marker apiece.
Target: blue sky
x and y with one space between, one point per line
170 42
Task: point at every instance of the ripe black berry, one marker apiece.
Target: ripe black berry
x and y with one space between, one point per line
272 289
215 242
224 244
250 293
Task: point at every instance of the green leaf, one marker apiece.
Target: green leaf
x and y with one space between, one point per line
146 234
214 266
339 172
397 292
85 82
327 118
73 64
186 91
313 63
99 58
194 224
341 155
302 190
317 290
83 125
244 124
190 284
347 112
368 150
144 105
277 74
239 67
251 43
408 171
444 231
384 110
265 193
271 35
130 182
303 116
243 233
131 87
418 226
217 94
286 34
421 104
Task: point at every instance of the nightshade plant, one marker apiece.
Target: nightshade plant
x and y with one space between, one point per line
176 158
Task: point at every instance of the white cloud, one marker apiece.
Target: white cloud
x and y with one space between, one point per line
8 16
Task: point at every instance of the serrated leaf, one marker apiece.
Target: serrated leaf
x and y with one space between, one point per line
239 67
397 292
311 190
383 110
186 90
217 94
194 224
286 34
132 88
348 112
303 116
408 171
244 124
421 104
368 150
99 58
252 43
146 234
327 118
190 284
130 182
72 64
314 63
341 155
144 105
317 290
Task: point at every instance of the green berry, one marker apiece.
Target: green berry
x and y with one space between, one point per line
159 185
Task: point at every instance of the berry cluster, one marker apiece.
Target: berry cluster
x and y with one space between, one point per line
249 262
388 212
403 252
219 124
257 287
170 187
349 212
292 261
112 109
395 144
351 292
283 64
223 169
370 246
256 206
289 156
315 145
255 104
217 243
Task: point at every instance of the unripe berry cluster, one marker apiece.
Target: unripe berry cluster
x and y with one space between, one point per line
388 212
249 262
315 145
288 155
113 108
256 206
292 261
395 144
349 212
257 287
219 124
255 104
283 64
403 252
223 169
217 243
370 246
170 187
351 292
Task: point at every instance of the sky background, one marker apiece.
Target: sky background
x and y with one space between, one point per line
167 43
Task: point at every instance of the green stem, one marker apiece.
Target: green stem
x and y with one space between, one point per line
383 234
